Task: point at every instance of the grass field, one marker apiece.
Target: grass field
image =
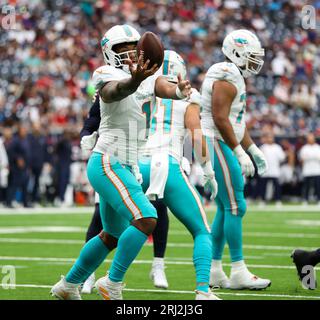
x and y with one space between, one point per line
43 243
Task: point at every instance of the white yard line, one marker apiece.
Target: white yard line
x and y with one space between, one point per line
76 229
168 262
47 210
260 234
282 235
41 229
169 244
284 296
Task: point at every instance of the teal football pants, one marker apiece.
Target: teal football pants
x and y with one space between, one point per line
186 204
231 204
121 200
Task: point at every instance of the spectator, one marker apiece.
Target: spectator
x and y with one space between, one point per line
8 145
48 60
281 65
310 158
62 166
275 156
4 170
38 155
287 177
282 90
304 97
19 157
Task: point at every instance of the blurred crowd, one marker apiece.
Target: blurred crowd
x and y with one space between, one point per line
48 58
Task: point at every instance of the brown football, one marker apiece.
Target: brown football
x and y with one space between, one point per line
152 47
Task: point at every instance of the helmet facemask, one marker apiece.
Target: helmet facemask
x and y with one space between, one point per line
118 60
253 63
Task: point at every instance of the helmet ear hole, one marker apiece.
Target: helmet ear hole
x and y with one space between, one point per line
106 56
237 55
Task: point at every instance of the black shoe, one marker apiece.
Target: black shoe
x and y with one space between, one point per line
302 258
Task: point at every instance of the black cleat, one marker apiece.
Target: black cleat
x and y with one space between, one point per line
302 258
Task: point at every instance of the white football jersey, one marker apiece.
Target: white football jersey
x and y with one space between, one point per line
226 71
122 130
167 128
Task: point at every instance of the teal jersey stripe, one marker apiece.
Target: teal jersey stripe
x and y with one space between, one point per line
240 115
153 125
166 63
167 103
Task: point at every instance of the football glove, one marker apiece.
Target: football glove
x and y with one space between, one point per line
209 179
88 142
258 158
136 172
246 164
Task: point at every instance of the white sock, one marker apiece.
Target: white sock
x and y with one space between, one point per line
216 265
158 262
238 266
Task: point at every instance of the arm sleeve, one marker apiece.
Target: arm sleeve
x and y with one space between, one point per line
92 122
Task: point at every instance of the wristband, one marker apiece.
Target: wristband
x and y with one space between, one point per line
179 94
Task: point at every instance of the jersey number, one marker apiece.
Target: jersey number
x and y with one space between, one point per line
146 109
167 117
240 115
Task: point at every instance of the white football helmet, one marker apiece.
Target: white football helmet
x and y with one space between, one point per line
172 65
244 49
116 35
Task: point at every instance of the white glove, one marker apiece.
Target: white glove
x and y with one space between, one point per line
245 161
195 96
88 142
185 165
209 179
259 159
136 172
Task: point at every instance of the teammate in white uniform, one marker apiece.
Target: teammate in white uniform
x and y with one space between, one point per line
223 122
127 88
163 176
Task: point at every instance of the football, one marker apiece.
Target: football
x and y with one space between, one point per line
153 48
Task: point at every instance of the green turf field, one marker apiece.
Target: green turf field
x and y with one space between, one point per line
42 244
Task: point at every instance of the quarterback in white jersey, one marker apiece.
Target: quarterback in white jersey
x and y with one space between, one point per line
127 87
223 123
122 128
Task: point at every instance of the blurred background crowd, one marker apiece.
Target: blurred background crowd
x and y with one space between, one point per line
45 91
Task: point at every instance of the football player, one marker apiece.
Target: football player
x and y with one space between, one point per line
88 136
302 258
223 122
127 88
163 176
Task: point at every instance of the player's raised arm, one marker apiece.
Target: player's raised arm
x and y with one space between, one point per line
166 89
223 94
117 90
